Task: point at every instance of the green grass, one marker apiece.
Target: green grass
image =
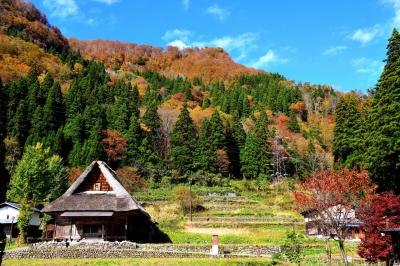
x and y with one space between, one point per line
137 261
11 245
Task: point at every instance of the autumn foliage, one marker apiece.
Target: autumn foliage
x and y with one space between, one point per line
328 188
114 144
22 19
334 197
130 179
207 63
382 213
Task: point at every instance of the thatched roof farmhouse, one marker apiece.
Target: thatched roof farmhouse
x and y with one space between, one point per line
97 206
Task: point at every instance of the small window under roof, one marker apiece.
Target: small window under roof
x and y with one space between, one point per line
95 181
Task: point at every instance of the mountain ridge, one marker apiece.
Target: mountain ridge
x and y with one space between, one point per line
208 63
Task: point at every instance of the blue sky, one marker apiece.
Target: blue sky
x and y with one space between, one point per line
337 42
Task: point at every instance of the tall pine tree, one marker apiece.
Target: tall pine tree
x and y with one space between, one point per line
4 176
383 133
183 142
346 133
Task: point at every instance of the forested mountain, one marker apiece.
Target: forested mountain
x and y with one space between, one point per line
173 115
209 64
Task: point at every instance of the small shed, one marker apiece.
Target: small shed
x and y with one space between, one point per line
97 206
9 212
314 222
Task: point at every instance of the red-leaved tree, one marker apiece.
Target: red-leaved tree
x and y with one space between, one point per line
382 213
333 196
114 144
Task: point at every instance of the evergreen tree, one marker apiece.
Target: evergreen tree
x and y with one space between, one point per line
217 132
205 152
4 175
255 157
183 142
92 149
18 126
310 147
33 98
383 133
249 157
236 137
134 138
118 117
346 133
206 103
37 130
153 124
54 109
46 86
293 124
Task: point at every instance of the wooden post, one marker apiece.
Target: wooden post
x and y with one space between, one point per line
70 229
55 229
190 199
126 227
102 230
11 228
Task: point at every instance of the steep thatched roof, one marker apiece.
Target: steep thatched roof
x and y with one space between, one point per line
116 200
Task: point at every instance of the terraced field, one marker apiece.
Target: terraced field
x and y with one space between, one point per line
246 219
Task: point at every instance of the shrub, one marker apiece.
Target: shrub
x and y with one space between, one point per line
131 180
181 196
293 247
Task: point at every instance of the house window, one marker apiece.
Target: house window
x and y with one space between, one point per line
97 186
8 216
91 229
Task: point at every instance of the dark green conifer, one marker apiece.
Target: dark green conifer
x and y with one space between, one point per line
293 124
4 175
183 142
383 127
134 138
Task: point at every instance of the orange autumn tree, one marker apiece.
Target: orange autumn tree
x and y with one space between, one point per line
114 144
334 198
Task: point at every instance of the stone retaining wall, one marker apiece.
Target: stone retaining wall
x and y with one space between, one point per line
241 219
124 249
75 253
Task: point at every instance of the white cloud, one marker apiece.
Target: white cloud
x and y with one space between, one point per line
179 44
62 8
368 66
185 4
367 35
395 4
219 12
108 2
335 50
269 58
181 34
241 45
